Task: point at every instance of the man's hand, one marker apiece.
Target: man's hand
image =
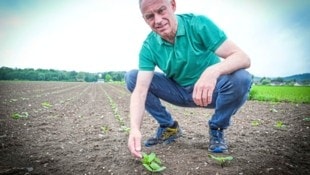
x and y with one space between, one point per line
134 143
204 87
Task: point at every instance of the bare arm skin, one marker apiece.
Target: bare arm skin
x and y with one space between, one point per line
234 59
137 109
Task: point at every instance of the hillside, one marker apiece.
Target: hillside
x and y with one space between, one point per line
300 78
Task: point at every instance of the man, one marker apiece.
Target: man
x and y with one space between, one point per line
187 48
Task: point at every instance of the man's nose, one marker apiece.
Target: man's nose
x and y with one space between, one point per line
158 18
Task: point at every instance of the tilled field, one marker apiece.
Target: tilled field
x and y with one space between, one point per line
80 128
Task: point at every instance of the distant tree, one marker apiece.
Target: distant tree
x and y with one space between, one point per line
72 75
291 83
279 80
80 76
265 81
63 76
41 76
107 78
31 75
91 77
7 73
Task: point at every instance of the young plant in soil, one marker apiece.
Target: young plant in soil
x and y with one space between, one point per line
221 160
307 119
279 125
255 123
125 129
105 129
46 105
113 105
152 163
21 115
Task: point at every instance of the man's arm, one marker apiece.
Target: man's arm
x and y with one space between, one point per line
234 59
137 109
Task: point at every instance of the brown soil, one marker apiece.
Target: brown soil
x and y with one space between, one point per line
67 137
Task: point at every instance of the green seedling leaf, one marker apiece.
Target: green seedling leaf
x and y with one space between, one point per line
125 129
221 160
147 167
157 160
144 158
46 105
154 166
151 162
273 110
105 129
279 124
255 123
13 100
151 157
21 115
160 169
307 119
229 158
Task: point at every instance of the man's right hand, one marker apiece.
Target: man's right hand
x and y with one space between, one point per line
134 143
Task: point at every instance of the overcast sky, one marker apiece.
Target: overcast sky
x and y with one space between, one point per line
106 35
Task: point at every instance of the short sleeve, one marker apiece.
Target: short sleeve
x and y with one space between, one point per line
208 32
146 61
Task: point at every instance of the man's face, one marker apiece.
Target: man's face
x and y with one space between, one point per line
159 15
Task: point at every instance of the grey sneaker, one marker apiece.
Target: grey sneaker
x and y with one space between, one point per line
165 135
217 142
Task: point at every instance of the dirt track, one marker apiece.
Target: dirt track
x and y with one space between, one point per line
80 133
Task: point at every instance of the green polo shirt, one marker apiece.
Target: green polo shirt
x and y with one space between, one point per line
196 40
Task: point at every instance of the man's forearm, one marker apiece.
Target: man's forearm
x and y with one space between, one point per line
137 109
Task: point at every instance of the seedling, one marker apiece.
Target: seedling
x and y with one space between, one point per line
115 110
279 124
125 129
105 129
255 123
307 119
21 115
46 105
221 160
152 163
13 100
273 110
23 98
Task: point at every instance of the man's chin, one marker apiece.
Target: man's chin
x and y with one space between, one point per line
163 34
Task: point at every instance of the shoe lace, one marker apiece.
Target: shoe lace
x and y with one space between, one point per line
160 132
217 137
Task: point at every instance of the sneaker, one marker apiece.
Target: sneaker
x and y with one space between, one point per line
217 142
165 135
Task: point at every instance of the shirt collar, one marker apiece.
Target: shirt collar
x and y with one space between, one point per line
180 31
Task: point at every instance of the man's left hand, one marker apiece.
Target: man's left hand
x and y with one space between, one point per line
204 87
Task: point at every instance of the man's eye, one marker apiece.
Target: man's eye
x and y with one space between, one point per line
148 17
161 10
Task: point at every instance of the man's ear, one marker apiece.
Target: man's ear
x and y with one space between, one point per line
173 5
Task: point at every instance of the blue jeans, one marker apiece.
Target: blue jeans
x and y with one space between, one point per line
229 95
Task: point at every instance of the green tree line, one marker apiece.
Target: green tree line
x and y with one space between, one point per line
30 74
281 81
113 76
